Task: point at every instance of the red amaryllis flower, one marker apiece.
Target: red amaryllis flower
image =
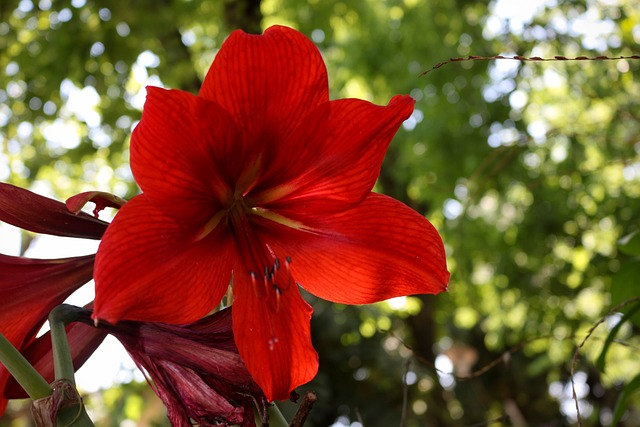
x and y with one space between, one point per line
31 288
261 178
195 369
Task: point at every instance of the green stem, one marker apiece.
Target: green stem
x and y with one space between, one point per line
276 419
62 360
26 375
73 415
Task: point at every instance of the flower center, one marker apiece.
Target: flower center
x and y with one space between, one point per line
270 275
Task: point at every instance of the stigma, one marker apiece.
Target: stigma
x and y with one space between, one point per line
276 280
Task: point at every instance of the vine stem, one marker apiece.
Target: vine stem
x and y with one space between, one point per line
528 59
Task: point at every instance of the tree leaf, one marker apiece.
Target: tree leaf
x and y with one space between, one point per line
600 363
630 244
625 284
621 404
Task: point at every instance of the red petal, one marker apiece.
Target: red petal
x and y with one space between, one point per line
378 250
184 151
338 153
275 344
83 341
268 83
149 267
30 289
39 214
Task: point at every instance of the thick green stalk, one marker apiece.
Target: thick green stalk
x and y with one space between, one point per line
276 419
62 360
73 414
26 375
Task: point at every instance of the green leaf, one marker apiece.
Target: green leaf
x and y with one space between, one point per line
625 285
600 363
630 244
621 404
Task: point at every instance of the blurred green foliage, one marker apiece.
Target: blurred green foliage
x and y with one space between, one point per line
531 172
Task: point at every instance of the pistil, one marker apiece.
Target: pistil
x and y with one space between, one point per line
269 275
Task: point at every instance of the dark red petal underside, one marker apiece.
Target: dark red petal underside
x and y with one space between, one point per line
268 82
339 151
378 250
185 152
273 337
194 368
149 267
39 214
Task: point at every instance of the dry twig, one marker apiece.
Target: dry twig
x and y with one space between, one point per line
304 409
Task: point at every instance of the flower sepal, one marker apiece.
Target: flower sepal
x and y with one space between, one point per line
62 408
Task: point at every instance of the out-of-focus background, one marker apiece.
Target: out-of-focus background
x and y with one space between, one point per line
531 172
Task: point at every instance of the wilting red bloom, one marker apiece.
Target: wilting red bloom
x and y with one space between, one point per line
262 178
31 288
195 369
